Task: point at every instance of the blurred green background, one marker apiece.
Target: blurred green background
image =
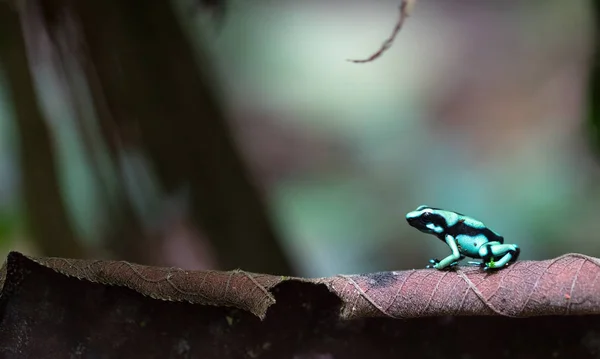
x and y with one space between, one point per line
184 134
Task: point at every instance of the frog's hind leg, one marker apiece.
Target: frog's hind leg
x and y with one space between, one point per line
508 253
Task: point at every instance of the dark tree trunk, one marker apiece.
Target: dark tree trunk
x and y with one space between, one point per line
46 213
153 83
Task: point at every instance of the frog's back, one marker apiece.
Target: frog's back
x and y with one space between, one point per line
472 227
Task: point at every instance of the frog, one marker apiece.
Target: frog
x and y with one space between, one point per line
466 237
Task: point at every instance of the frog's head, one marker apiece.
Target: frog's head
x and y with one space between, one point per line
426 219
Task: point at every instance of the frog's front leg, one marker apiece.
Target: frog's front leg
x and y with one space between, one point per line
435 261
452 259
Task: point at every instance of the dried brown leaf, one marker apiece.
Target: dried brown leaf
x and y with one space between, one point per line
59 308
567 285
561 286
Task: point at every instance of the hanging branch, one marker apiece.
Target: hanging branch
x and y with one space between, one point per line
405 9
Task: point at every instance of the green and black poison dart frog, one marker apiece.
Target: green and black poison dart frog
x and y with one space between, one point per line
465 236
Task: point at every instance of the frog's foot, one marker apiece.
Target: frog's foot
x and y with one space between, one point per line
486 266
433 262
491 265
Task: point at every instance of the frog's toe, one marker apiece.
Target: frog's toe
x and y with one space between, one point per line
490 267
432 263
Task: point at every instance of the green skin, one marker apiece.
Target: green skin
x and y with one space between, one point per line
466 237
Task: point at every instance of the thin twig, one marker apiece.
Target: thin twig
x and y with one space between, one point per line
405 8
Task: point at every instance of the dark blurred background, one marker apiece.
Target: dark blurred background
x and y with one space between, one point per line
225 134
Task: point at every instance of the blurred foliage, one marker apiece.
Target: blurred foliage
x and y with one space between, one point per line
128 67
594 82
9 224
180 143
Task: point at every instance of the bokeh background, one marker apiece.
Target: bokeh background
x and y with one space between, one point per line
185 135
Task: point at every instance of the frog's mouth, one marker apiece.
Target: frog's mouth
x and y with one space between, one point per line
417 223
425 227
